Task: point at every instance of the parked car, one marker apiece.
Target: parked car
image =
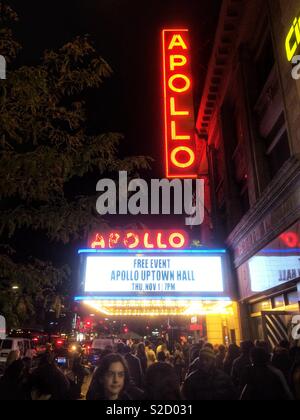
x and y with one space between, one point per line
24 345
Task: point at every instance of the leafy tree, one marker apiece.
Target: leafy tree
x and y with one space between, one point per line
44 145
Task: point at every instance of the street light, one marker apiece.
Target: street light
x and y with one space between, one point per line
15 287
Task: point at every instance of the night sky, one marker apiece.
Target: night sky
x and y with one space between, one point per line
127 33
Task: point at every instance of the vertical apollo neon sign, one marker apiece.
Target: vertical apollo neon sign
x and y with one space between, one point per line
180 149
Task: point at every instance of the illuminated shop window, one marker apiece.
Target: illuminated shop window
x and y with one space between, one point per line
261 306
293 298
278 301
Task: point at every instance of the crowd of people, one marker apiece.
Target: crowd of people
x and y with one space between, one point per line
145 372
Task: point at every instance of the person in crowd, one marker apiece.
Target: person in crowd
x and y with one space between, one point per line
241 365
295 372
163 347
162 383
264 382
133 363
12 357
263 345
141 355
107 350
282 361
11 383
161 356
284 344
194 351
150 353
110 380
159 345
79 372
179 362
194 364
186 345
232 354
208 383
47 381
220 356
209 345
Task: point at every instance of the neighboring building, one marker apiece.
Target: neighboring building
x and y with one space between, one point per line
2 327
249 136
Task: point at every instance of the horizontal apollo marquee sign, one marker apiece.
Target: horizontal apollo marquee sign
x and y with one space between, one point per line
143 239
180 147
130 274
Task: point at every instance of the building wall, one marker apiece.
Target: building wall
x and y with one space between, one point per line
282 14
253 130
224 329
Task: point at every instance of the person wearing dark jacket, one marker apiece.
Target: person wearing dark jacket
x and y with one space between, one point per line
264 382
47 381
194 364
162 383
281 360
141 355
208 383
232 354
11 383
241 365
133 363
220 357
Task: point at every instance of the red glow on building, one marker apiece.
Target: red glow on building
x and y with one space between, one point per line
146 239
290 239
180 147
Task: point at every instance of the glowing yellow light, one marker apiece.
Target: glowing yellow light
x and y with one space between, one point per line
293 39
173 111
177 61
162 307
182 149
177 236
146 241
179 76
133 236
177 41
174 134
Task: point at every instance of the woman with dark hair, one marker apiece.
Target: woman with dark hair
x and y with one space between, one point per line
110 380
162 383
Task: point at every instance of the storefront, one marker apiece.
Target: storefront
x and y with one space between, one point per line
269 287
149 283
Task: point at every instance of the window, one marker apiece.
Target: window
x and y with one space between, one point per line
7 345
235 154
278 301
264 63
293 298
26 346
261 306
21 347
278 154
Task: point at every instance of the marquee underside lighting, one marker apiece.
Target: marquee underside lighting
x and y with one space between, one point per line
161 307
